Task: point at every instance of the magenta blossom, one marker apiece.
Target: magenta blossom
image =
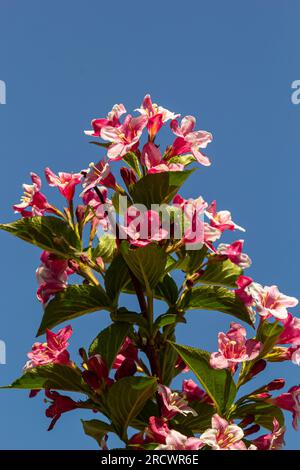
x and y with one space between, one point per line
34 199
112 119
125 362
156 116
289 401
270 302
157 430
291 332
96 175
53 351
173 403
234 348
234 253
243 283
193 225
52 276
189 140
60 404
221 220
144 227
96 373
273 440
223 435
192 392
177 441
152 159
65 182
124 137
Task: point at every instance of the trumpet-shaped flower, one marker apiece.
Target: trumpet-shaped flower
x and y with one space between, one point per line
152 159
273 440
112 119
289 401
33 199
96 175
243 283
53 351
223 435
234 348
156 116
173 403
291 331
221 220
60 404
177 441
270 302
65 182
234 253
144 227
124 137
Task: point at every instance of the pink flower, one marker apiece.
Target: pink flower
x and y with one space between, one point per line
177 441
273 440
96 373
157 430
52 276
96 175
243 283
156 116
53 351
152 159
33 198
211 234
234 253
296 356
124 137
173 403
289 401
221 220
189 140
125 362
223 435
291 332
234 348
60 404
192 392
65 182
193 226
144 227
270 302
112 119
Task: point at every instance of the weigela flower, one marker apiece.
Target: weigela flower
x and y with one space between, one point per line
65 182
156 116
97 175
173 403
221 220
96 373
192 392
177 441
223 435
125 362
33 199
152 159
243 283
189 140
52 276
53 351
289 401
124 137
273 440
112 119
157 430
270 302
234 348
60 404
144 227
291 332
234 253
193 225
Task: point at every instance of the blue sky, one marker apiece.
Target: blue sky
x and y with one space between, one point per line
231 64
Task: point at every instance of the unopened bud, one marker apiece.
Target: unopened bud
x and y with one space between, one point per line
276 384
251 430
128 176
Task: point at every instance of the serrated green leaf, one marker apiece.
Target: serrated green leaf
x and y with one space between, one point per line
218 383
47 232
73 302
268 334
221 273
167 290
217 299
193 260
263 413
132 160
117 277
183 159
96 429
51 376
158 188
126 399
108 342
167 319
106 248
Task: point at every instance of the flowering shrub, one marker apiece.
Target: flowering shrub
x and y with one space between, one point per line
118 242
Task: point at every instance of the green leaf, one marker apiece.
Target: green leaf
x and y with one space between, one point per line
147 263
221 273
167 290
263 413
268 334
51 376
132 160
108 342
167 319
195 424
116 278
158 188
193 260
96 429
168 359
141 421
106 248
183 159
73 302
218 299
218 383
126 399
47 232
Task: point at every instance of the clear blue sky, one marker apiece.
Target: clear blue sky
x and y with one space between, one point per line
231 64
